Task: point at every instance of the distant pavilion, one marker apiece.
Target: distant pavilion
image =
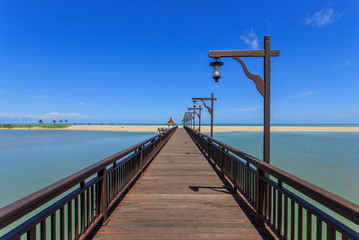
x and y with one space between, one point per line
171 122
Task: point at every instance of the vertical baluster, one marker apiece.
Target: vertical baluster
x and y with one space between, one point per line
76 217
103 194
222 160
53 226
231 172
285 225
247 179
120 177
62 224
274 206
141 159
309 225
82 208
250 185
92 203
279 207
241 177
31 234
238 175
258 202
254 185
118 180
43 229
69 220
109 186
269 203
330 232
292 219
88 209
319 229
114 179
300 222
109 183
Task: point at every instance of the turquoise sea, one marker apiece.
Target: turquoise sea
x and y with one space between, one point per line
30 160
328 160
33 159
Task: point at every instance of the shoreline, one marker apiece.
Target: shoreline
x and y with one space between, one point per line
204 129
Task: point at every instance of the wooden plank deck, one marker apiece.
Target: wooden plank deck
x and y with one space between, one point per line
180 196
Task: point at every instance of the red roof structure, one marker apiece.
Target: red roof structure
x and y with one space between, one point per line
171 122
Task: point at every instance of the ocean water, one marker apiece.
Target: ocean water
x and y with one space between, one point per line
328 160
33 159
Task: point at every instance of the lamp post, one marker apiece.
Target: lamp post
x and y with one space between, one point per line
264 89
210 109
191 116
198 115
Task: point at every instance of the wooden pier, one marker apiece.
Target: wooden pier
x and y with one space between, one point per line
180 196
180 184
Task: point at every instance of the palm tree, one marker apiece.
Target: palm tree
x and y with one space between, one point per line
60 121
54 121
66 121
40 122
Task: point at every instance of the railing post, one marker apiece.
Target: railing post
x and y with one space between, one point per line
222 150
102 204
141 159
279 225
209 149
260 195
82 208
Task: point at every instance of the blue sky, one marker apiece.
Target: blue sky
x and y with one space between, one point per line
143 61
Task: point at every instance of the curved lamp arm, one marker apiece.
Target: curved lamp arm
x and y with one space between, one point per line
256 78
208 108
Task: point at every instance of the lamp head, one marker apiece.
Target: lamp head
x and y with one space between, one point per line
216 64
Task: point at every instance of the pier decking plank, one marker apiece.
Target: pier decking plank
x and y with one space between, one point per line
180 196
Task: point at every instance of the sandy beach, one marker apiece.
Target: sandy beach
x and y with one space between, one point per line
205 129
279 129
153 128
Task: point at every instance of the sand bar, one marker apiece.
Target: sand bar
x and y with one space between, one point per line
280 129
205 129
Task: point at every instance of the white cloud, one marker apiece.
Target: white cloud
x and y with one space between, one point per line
19 115
5 92
75 102
56 114
251 39
247 109
323 17
346 64
304 94
39 96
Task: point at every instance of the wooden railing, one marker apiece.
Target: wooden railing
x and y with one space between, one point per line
93 191
279 197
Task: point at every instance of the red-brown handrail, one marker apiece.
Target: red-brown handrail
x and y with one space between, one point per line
20 208
343 207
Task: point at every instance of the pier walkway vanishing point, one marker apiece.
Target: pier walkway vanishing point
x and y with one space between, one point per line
181 196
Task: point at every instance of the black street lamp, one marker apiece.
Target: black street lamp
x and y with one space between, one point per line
216 64
198 114
210 109
262 86
264 89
